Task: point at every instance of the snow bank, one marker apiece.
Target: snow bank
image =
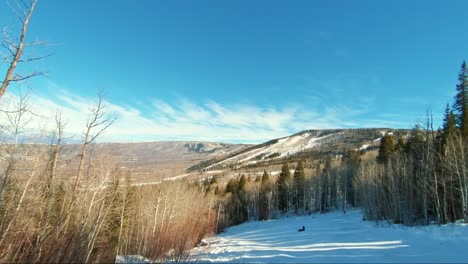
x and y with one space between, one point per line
335 238
131 259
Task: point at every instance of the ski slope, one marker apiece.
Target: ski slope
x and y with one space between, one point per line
283 147
335 238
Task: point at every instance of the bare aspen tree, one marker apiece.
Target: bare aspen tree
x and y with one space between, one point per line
156 213
55 144
98 122
456 161
48 192
432 157
102 212
15 48
126 199
17 118
60 126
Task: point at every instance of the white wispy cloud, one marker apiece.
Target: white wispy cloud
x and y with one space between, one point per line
188 120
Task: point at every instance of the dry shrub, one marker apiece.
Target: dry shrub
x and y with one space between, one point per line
48 222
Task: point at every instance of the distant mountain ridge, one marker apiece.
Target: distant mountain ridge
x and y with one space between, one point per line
154 161
308 142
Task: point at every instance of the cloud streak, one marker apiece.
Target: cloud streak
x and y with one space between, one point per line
188 120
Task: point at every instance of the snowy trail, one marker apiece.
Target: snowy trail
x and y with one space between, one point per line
335 238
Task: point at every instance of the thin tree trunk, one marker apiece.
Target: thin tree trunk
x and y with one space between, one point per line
18 52
156 214
122 218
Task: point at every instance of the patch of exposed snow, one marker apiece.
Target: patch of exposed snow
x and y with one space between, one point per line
213 171
278 172
146 183
178 177
131 259
365 146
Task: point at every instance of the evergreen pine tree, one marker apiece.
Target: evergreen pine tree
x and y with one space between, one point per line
265 178
386 149
283 188
299 185
351 161
325 185
214 179
265 192
450 122
460 105
242 183
449 129
400 145
415 141
237 203
231 186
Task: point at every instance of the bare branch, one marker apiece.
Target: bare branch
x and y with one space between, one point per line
107 124
25 5
37 43
9 48
19 16
36 58
23 110
19 78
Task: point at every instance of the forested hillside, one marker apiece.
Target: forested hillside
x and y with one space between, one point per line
416 178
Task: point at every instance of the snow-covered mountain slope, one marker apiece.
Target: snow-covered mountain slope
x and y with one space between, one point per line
332 140
335 238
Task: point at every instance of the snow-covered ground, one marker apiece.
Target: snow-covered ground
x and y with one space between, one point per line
335 237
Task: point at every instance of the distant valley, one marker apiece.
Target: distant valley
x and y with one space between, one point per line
151 162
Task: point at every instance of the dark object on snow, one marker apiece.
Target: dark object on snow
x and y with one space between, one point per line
302 229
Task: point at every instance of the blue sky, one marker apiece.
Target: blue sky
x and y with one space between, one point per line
247 71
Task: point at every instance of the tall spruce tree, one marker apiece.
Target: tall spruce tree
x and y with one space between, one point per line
386 149
242 183
400 145
351 162
415 141
231 186
299 186
237 203
450 122
325 186
283 188
449 129
265 193
460 105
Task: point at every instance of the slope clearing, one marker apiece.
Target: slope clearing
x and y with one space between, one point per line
335 238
